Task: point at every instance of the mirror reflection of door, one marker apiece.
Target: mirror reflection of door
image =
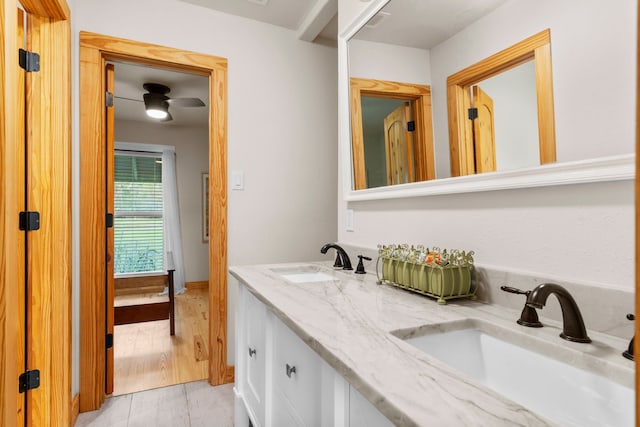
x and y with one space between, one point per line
484 138
406 107
388 145
398 146
519 82
503 131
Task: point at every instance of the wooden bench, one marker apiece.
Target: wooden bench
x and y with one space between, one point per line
147 312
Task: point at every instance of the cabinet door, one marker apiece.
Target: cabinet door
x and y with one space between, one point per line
253 355
297 381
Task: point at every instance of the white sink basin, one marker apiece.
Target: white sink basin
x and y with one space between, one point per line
554 389
304 274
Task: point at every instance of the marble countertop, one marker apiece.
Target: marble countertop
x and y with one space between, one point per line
350 323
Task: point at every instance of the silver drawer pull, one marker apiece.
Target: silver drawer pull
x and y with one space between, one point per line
290 370
252 352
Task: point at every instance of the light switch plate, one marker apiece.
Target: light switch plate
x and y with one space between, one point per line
237 180
349 220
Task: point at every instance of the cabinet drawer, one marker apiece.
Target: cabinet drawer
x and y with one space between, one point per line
297 380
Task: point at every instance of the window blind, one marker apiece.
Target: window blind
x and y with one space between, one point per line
138 222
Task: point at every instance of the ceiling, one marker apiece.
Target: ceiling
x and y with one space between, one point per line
283 13
424 24
313 20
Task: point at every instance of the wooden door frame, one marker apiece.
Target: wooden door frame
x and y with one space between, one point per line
49 187
95 50
537 48
420 98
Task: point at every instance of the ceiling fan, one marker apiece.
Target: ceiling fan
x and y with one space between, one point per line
156 101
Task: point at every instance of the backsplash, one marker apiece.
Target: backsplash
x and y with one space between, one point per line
603 309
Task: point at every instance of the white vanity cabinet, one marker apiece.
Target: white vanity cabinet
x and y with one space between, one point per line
282 382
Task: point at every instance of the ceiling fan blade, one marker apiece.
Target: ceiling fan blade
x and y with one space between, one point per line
186 102
128 99
168 118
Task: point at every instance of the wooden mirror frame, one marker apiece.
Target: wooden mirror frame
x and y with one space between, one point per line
420 98
537 48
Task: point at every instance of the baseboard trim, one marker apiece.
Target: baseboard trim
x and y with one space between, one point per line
204 284
75 409
229 374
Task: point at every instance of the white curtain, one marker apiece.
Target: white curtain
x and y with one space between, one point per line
172 235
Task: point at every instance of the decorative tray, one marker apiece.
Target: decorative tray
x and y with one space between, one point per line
438 274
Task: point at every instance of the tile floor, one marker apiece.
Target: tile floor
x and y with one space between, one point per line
194 404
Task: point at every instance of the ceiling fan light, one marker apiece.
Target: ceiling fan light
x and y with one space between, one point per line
157 113
156 107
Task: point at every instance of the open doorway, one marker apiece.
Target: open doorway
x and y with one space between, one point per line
95 51
160 227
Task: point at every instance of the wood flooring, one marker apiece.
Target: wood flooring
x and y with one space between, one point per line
147 357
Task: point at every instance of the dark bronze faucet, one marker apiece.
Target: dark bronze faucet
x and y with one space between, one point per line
342 254
573 325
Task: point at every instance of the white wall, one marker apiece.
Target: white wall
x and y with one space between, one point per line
381 61
559 231
282 124
192 159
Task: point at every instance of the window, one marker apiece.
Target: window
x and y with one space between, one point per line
138 222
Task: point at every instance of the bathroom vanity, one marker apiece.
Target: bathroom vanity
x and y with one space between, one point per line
322 347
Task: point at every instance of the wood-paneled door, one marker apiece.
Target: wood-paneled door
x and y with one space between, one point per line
109 249
35 176
21 249
398 146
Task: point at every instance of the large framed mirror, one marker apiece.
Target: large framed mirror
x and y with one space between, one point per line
582 132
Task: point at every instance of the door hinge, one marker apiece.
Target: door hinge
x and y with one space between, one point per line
109 220
108 99
109 341
30 61
411 126
29 221
29 380
473 113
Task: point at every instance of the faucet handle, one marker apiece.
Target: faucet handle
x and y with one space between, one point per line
360 267
529 315
514 290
